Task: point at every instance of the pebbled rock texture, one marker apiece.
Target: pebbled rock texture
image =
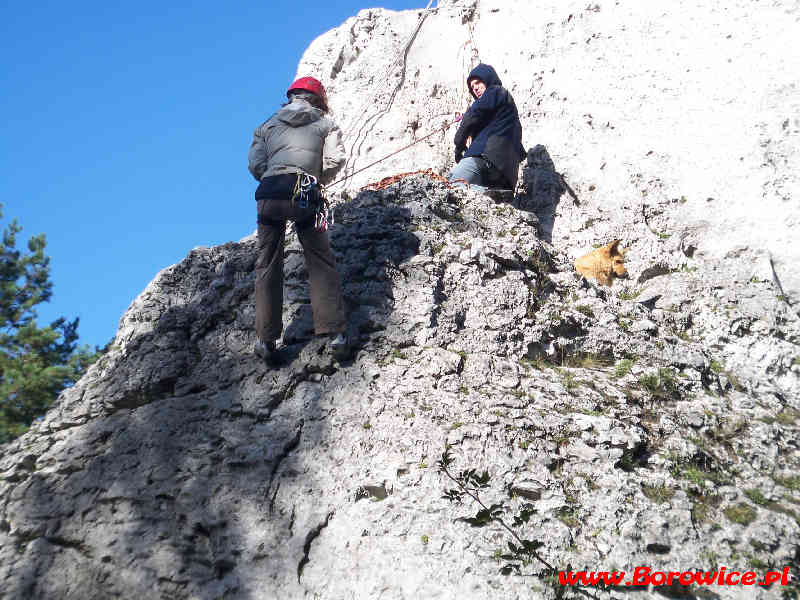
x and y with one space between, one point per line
653 423
686 114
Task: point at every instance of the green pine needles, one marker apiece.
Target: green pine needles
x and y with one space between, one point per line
36 363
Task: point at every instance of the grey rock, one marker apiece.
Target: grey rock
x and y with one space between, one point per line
181 465
635 420
645 326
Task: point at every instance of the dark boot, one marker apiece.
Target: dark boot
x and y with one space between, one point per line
500 195
266 351
340 346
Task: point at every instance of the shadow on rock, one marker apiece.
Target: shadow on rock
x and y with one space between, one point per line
543 187
370 240
178 465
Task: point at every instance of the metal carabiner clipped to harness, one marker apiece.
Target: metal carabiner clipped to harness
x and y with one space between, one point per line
324 216
304 189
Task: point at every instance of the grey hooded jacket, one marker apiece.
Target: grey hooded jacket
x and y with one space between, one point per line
298 138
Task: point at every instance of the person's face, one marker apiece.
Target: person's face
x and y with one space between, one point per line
478 87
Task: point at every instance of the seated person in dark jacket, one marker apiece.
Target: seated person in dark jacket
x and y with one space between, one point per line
493 157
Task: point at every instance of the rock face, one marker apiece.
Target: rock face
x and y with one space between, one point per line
653 423
687 113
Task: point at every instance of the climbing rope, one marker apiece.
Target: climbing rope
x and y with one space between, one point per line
474 60
476 57
406 147
367 124
370 101
392 179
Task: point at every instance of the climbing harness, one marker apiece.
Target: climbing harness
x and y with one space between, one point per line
406 147
306 190
308 193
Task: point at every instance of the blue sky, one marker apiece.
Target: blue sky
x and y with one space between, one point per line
126 128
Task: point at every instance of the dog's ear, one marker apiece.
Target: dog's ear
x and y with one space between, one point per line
612 247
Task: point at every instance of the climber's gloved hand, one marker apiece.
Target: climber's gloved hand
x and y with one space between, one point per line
459 154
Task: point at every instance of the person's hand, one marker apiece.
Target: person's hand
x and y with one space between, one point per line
469 141
459 154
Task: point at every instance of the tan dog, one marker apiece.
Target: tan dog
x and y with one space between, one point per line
603 263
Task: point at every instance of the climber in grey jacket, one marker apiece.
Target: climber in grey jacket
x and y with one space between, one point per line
299 138
297 142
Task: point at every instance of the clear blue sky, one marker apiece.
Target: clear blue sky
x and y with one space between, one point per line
126 128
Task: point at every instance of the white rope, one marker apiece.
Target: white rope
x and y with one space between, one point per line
371 99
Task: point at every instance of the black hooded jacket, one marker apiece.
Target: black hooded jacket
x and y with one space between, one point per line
493 123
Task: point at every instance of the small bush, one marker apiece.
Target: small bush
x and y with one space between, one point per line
790 483
756 497
741 514
695 475
787 417
650 382
586 361
623 367
662 383
540 363
567 516
702 509
569 379
629 294
658 493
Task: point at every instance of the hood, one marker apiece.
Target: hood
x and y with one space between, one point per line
486 74
299 112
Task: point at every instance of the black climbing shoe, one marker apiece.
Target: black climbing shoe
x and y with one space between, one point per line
267 351
499 195
340 347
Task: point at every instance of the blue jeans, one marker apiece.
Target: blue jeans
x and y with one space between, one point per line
478 173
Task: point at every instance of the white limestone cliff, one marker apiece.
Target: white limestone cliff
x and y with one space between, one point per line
653 423
696 102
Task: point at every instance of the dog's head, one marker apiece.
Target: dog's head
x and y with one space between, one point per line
616 257
603 264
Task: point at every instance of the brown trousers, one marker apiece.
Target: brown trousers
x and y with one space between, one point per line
327 303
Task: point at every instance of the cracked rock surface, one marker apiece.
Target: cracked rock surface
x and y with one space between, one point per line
648 423
651 423
635 103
